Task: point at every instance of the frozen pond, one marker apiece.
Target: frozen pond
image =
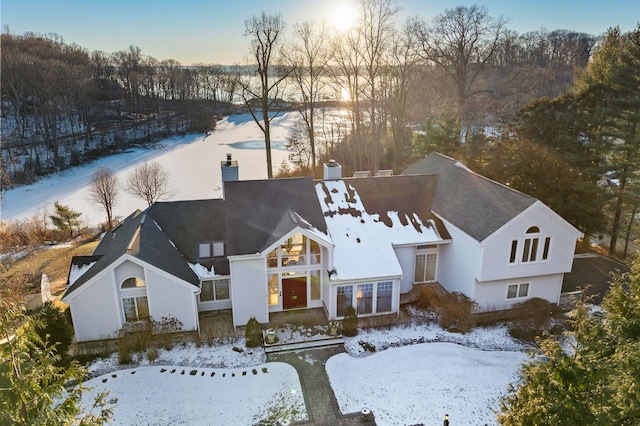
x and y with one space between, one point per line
193 162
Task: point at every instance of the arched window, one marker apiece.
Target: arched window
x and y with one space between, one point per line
531 247
134 299
133 282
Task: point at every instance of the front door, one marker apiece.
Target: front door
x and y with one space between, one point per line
294 293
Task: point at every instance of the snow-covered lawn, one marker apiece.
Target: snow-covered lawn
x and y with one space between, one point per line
419 384
403 382
200 396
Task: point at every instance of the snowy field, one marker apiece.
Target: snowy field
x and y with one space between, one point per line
193 163
462 375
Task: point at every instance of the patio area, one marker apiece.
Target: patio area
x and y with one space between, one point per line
300 329
290 330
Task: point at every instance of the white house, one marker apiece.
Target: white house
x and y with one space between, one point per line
506 246
277 245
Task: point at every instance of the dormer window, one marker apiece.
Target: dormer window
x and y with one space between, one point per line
532 249
211 249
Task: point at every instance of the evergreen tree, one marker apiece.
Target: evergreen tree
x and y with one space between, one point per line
612 81
593 376
550 154
64 218
33 390
53 327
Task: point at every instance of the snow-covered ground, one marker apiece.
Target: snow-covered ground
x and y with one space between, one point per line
403 382
193 162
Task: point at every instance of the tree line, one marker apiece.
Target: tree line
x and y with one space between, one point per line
541 111
553 114
63 105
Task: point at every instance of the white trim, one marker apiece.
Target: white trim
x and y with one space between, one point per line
119 261
517 298
297 230
541 205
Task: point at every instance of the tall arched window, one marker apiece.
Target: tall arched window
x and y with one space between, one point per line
531 249
135 305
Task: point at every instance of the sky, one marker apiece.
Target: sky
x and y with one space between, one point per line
210 31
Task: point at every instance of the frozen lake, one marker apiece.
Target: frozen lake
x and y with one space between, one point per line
193 162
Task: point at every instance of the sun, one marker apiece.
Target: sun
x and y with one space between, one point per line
344 17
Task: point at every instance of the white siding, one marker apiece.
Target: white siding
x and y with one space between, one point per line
459 262
169 297
249 290
326 281
492 295
214 305
407 258
128 269
497 248
95 310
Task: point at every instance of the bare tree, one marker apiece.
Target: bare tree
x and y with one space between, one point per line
104 191
462 42
402 74
377 29
309 56
266 32
149 181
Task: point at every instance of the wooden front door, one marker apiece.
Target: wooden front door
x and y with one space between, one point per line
294 293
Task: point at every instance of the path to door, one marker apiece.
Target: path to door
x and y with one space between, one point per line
322 407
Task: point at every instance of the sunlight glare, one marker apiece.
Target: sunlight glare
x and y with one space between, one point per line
344 17
344 94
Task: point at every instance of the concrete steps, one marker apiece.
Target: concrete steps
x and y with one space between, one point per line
285 343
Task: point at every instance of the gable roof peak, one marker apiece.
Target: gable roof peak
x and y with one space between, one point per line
476 204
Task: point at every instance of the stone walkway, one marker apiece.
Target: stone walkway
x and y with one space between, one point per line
322 407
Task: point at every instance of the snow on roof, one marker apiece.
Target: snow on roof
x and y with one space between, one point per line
77 271
364 245
202 271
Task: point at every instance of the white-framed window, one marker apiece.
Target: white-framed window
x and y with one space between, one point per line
297 250
366 298
384 294
314 284
425 267
135 304
211 249
133 282
135 308
518 291
532 248
344 299
217 289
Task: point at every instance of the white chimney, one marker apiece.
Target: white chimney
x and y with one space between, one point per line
332 170
229 169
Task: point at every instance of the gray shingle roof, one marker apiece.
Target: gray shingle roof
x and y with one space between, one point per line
189 223
405 195
255 211
138 235
477 205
